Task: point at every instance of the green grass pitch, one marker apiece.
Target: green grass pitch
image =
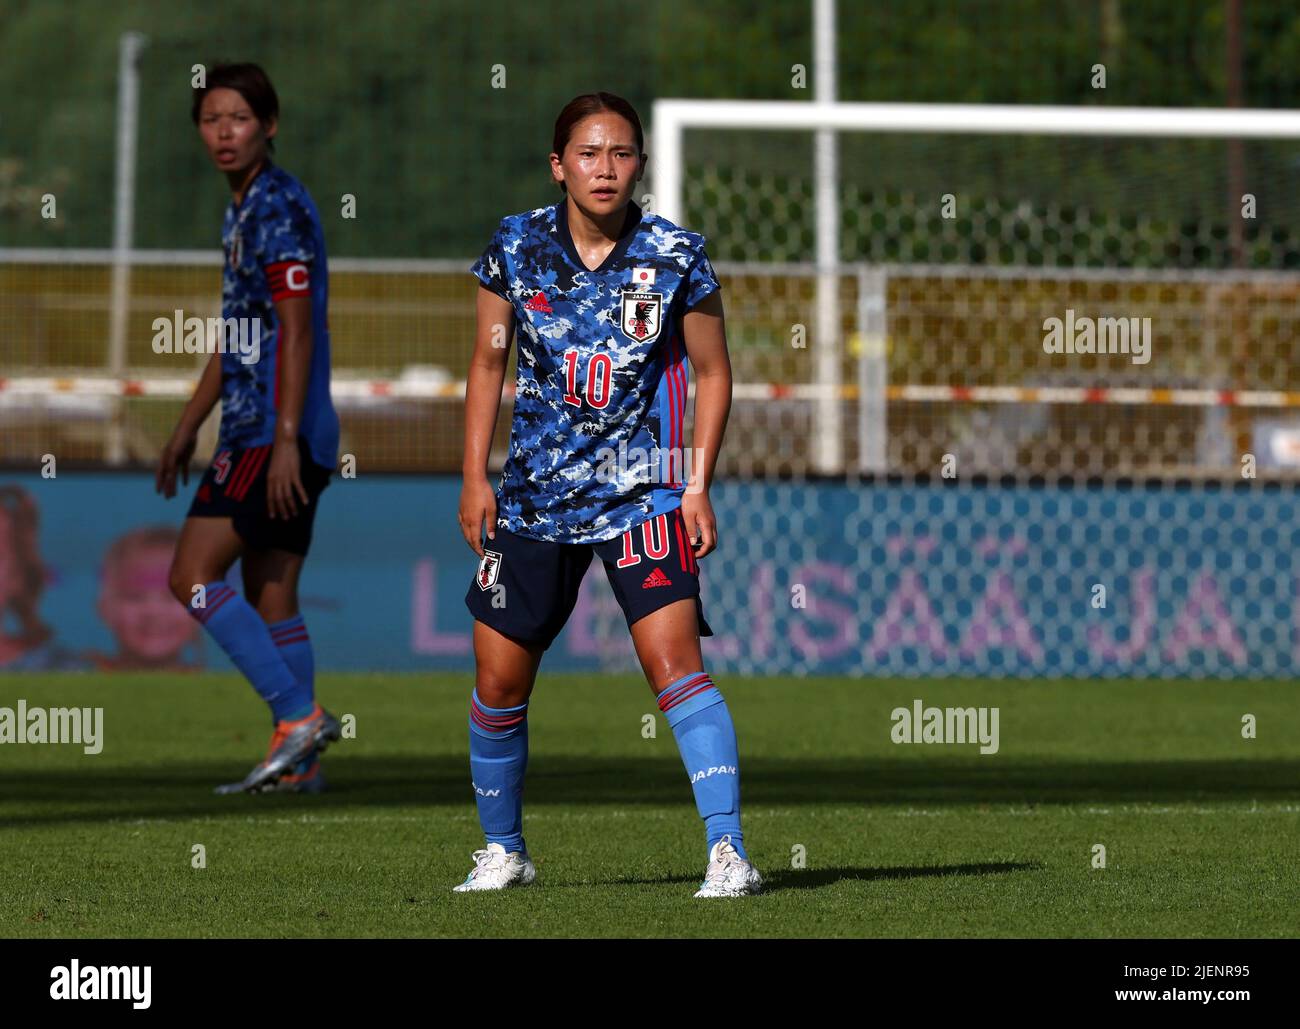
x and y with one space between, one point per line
1201 827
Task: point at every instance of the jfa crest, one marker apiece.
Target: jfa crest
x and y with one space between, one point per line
488 569
641 313
236 249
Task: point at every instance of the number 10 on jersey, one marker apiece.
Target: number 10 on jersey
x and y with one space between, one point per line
598 376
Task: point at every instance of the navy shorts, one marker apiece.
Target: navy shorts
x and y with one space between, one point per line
234 487
649 567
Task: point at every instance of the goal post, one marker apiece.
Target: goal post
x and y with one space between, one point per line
672 118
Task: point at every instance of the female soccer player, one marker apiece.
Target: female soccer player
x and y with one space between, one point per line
279 433
609 301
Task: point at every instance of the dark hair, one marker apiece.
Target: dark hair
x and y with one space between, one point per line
588 104
250 82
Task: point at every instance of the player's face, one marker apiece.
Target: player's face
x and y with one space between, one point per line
601 164
235 139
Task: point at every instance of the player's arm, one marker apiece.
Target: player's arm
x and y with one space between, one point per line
487 373
180 448
706 344
284 488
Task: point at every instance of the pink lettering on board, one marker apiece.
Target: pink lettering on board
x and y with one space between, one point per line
425 637
1205 624
909 620
841 618
1000 621
1142 625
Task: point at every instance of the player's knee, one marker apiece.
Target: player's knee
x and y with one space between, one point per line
498 691
181 580
671 673
275 608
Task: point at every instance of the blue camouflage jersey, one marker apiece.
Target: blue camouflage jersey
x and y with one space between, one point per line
596 444
274 249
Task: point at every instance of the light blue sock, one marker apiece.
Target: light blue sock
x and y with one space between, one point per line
246 639
498 756
706 738
291 639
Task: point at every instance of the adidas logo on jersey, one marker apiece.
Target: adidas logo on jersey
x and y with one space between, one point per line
656 578
538 303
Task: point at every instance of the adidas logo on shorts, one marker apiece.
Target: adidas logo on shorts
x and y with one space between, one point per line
656 578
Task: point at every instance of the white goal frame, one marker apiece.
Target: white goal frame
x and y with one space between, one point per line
672 117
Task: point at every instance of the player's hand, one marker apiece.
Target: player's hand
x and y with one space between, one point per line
478 508
701 526
284 486
175 458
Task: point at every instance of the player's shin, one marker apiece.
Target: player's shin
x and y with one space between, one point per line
498 758
706 738
294 644
241 633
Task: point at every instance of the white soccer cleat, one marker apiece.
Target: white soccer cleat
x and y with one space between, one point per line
729 874
494 869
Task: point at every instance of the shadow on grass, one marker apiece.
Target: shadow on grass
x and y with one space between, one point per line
34 797
816 878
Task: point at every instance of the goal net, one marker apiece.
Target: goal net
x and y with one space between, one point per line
1059 344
